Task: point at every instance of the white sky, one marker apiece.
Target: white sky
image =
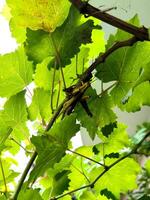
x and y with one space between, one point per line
7 43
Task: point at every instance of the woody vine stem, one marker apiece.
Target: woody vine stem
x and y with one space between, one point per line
137 34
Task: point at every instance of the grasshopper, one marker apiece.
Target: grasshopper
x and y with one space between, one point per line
75 95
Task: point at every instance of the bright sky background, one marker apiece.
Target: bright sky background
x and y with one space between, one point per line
7 43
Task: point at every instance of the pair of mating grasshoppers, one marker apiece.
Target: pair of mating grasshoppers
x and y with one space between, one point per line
74 95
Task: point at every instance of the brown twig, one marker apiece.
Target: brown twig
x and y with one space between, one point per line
83 156
89 10
32 159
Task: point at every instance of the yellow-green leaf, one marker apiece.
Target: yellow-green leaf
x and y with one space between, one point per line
37 14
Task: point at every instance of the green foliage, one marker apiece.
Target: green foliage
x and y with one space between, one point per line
15 72
57 44
36 109
36 15
60 42
29 194
52 146
118 179
102 112
129 68
143 191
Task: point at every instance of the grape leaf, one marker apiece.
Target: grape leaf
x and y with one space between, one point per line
78 169
108 194
5 131
113 144
128 66
29 194
119 179
2 197
78 64
15 72
44 77
124 66
102 113
9 173
53 182
98 42
60 183
39 14
40 106
51 147
72 33
18 32
140 97
108 129
90 195
14 116
15 110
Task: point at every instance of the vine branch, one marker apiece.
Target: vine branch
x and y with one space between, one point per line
81 155
89 10
32 159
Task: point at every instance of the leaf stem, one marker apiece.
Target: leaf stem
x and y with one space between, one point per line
53 84
3 174
74 152
59 61
20 145
58 95
81 173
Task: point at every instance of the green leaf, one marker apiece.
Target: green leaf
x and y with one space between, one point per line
77 168
5 131
51 147
117 141
40 106
128 66
10 175
147 166
60 183
119 179
29 194
39 14
102 113
72 33
90 195
17 31
13 118
3 197
108 129
108 194
56 180
78 64
140 97
15 110
15 72
124 66
43 76
98 42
